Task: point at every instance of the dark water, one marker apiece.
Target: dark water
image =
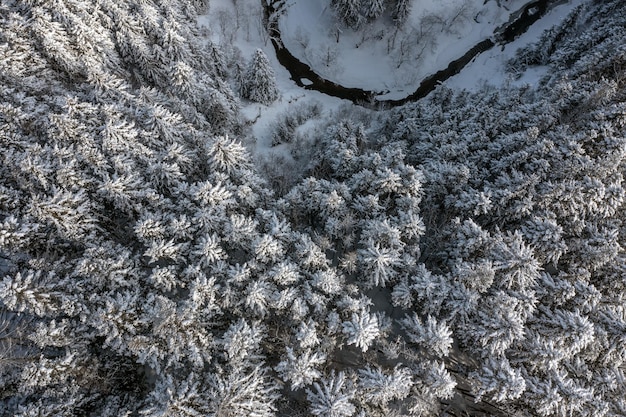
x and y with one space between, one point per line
305 77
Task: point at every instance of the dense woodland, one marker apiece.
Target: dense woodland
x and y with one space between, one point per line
460 256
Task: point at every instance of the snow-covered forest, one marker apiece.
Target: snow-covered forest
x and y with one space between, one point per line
186 232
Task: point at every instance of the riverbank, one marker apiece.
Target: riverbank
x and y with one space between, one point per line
306 77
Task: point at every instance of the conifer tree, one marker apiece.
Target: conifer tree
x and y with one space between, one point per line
374 8
401 11
460 254
349 12
259 83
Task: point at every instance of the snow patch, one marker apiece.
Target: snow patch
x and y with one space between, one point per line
237 25
489 68
382 57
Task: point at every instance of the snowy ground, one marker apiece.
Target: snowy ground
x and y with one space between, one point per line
381 57
309 30
238 23
488 68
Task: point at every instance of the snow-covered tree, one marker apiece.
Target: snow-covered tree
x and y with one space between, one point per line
464 253
361 330
373 8
349 12
380 388
332 397
259 83
302 370
401 11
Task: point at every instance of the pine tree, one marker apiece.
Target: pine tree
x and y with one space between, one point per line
498 380
259 83
349 12
380 387
301 370
374 8
332 397
361 330
402 11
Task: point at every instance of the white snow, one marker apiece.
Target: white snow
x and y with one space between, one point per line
380 57
489 67
238 23
362 59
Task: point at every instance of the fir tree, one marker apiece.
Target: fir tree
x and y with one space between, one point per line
349 12
374 8
259 83
401 11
